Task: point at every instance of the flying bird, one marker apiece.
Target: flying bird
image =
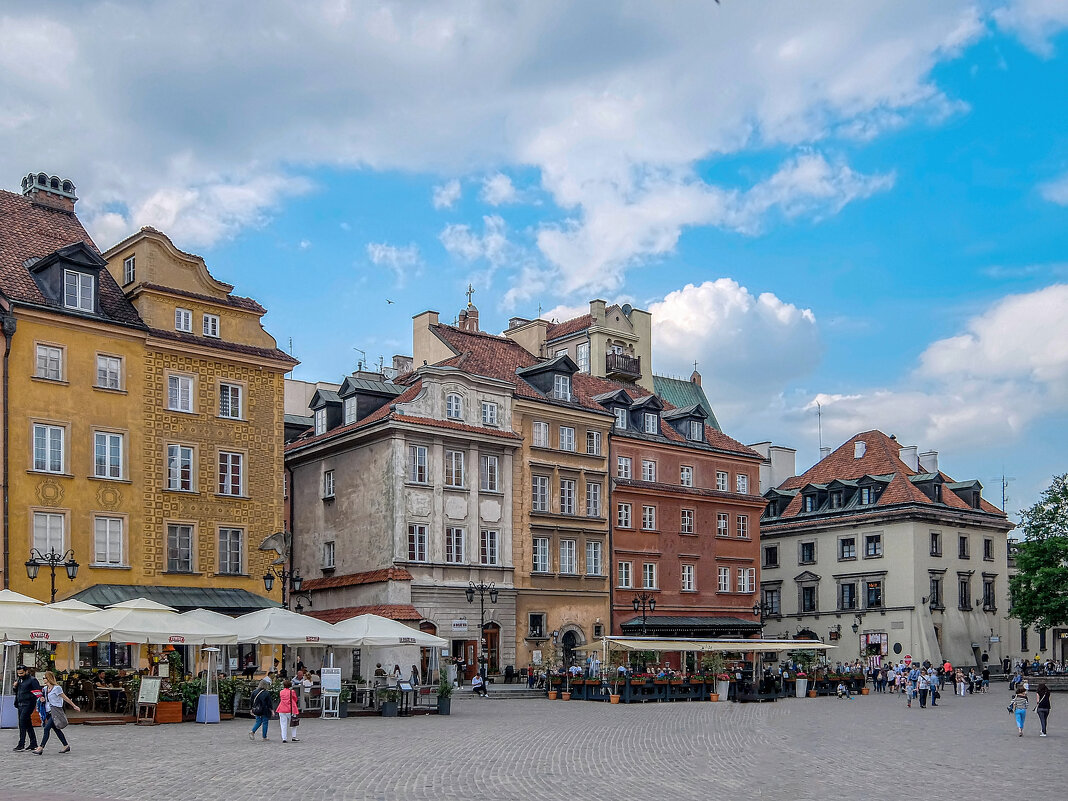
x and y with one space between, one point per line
389 301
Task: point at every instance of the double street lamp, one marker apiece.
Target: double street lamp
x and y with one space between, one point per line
291 580
644 602
483 589
763 610
52 560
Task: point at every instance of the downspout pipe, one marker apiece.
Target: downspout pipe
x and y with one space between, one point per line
7 324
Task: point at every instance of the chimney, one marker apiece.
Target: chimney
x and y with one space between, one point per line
929 461
597 312
695 378
50 191
825 451
909 457
860 447
402 364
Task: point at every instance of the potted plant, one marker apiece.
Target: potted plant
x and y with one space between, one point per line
444 697
343 699
389 703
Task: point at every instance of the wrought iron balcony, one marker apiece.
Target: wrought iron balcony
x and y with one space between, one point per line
622 367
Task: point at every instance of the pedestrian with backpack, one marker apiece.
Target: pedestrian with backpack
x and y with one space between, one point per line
261 708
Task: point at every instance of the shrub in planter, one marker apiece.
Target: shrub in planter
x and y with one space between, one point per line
389 705
444 697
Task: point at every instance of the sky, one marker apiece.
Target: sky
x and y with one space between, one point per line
855 207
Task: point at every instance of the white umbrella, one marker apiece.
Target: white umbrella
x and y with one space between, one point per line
74 605
24 618
143 621
374 630
274 626
219 621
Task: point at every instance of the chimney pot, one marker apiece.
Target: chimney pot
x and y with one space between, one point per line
50 191
825 451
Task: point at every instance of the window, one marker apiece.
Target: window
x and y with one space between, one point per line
78 291
416 542
48 532
489 413
650 426
623 515
454 468
836 500
688 583
211 325
488 542
621 418
48 448
594 565
936 543
107 455
771 556
686 476
183 320
582 356
988 549
742 482
1023 639
873 545
567 438
721 480
454 545
847 596
989 599
539 495
648 470
454 406
722 524
109 372
936 493
128 270
623 467
535 625
107 541
488 473
231 473
541 555
230 401
567 496
593 443
807 554
179 549
742 522
697 432
180 393
962 547
773 601
541 435
562 387
417 464
867 496
560 352
724 583
329 552
847 548
934 597
747 579
320 421
964 590
810 503
649 575
49 363
649 518
593 499
874 598
686 521
180 468
808 599
349 410
328 484
231 549
568 553
623 574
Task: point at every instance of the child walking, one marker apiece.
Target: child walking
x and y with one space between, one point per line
1018 706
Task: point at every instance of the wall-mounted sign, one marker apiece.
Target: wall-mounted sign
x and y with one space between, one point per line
459 625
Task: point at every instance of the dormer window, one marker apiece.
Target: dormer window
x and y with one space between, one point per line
621 418
936 492
183 320
697 432
562 387
867 495
810 503
836 499
128 270
320 421
454 406
650 426
78 291
772 510
349 407
211 325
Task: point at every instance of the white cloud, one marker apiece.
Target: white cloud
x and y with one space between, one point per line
401 260
304 244
498 190
564 312
491 245
1056 191
446 195
1036 22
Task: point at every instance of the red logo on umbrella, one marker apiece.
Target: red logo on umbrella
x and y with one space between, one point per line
38 635
311 639
176 638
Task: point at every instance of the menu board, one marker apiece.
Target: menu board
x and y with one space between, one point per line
331 679
149 692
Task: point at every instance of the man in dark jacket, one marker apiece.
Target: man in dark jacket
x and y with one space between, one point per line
26 688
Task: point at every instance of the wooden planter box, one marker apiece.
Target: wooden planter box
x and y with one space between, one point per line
169 712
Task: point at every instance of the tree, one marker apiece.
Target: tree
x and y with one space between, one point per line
1039 590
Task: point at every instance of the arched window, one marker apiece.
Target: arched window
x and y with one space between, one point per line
454 406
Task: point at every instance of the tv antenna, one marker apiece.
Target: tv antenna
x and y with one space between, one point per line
360 362
1004 480
819 424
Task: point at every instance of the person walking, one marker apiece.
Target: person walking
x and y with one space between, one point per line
57 718
923 684
1042 707
27 690
932 679
961 683
287 710
261 708
1018 706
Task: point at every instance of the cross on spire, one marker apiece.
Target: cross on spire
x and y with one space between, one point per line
695 365
469 293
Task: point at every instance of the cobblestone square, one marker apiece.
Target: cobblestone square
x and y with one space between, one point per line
872 747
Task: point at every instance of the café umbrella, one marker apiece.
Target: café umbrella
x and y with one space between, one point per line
26 619
143 621
275 626
374 630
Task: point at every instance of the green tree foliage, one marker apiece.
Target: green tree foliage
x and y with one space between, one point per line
1040 588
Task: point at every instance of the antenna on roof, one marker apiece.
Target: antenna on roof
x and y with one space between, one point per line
359 362
1004 481
819 424
291 346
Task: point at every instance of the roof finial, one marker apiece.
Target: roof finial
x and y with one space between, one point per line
469 293
695 365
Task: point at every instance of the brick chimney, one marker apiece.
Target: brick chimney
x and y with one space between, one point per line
50 191
469 319
695 378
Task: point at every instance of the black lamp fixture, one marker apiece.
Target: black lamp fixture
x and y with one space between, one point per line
761 609
290 579
52 560
483 589
644 602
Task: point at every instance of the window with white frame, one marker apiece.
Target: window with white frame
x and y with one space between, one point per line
78 291
541 435
649 518
350 410
593 499
594 563
651 426
623 515
488 473
417 464
107 455
49 363
454 406
180 393
454 545
721 480
231 473
562 387
211 325
454 468
567 438
180 468
567 496
621 418
722 524
648 470
686 476
488 545
540 552
48 448
489 413
230 401
108 372
328 484
593 443
649 575
582 356
231 551
416 542
742 482
686 521
320 421
128 270
747 579
183 320
107 541
623 573
179 548
329 555
697 430
539 493
724 579
623 467
688 582
742 523
48 532
568 556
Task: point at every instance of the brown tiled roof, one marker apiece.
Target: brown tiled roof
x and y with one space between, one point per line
237 301
454 426
392 611
353 579
222 344
557 330
29 231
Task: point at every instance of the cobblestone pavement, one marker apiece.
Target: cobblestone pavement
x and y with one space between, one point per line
870 748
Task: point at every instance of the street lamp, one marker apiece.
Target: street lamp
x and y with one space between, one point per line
644 601
763 610
858 618
52 560
291 580
483 589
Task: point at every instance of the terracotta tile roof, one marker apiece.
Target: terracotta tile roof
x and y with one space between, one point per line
557 330
237 301
400 612
27 231
222 344
454 426
353 579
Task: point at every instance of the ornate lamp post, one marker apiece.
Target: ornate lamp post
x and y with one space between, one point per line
483 589
52 560
858 619
643 602
761 609
291 580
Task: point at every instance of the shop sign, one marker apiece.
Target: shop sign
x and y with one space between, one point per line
459 625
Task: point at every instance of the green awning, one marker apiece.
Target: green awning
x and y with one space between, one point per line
217 599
